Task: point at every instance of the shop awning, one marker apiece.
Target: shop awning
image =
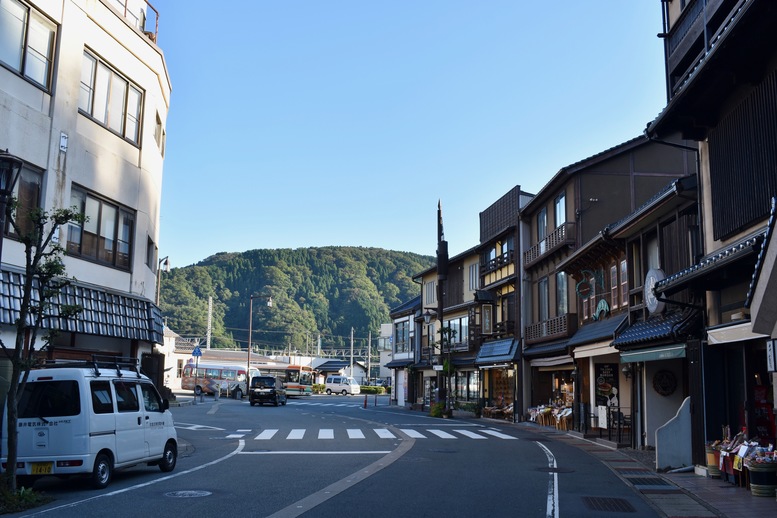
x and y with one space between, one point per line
552 349
667 352
763 286
399 364
597 331
498 351
732 333
663 327
557 362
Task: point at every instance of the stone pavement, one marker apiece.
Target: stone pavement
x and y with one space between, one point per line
671 494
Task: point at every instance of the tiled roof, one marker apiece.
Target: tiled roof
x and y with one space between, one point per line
675 325
547 349
102 313
711 263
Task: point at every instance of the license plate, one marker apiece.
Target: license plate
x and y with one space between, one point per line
41 468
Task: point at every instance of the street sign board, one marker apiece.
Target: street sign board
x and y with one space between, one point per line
196 352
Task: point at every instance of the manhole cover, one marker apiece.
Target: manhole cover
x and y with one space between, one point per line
188 494
608 505
556 470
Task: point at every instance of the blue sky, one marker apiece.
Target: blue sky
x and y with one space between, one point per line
299 123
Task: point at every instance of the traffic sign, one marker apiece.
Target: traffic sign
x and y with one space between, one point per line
196 352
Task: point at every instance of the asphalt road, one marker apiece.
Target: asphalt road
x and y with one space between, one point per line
329 456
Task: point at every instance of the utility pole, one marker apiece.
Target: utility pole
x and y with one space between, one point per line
369 354
351 352
210 322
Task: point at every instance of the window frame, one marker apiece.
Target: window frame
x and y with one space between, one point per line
33 19
105 83
122 239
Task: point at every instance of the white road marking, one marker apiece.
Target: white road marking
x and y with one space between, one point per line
355 433
383 433
442 435
296 434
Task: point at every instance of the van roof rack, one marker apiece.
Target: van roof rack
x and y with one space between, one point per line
97 362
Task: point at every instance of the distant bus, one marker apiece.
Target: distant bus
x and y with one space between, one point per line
202 378
297 379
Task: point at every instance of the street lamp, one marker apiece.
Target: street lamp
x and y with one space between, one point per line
159 269
250 329
10 167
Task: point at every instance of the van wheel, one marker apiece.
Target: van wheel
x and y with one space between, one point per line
238 394
169 457
328 392
344 392
102 472
197 390
252 403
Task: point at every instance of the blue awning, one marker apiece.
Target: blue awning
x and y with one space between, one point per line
498 351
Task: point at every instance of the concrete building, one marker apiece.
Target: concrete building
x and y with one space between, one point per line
84 96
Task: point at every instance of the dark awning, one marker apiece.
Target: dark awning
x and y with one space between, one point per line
597 331
763 284
547 349
672 326
499 351
399 364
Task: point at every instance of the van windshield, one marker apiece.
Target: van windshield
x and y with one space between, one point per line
263 382
50 399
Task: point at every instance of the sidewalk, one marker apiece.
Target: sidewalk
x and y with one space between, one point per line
671 494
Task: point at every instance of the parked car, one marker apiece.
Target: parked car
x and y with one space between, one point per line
344 385
266 389
89 419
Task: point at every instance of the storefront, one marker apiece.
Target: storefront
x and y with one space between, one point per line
497 364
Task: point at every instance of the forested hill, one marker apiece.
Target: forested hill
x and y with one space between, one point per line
324 291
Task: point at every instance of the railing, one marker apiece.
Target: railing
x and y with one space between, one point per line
498 262
562 235
559 327
126 8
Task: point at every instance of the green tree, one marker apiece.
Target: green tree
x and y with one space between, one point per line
44 278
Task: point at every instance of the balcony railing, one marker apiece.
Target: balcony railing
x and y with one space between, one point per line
556 328
561 236
498 262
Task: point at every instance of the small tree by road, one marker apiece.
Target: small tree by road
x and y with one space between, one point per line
43 279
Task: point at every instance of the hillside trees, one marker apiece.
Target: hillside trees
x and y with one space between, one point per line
324 290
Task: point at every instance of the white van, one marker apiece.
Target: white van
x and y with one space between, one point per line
89 418
342 385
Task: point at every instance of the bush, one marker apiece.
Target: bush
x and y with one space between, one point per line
318 388
437 409
23 499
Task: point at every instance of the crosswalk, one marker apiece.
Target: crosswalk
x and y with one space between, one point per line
296 434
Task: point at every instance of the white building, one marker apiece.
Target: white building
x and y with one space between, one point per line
84 96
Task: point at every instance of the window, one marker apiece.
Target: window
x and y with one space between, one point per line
151 255
542 228
561 209
543 304
126 396
159 134
27 45
27 193
474 277
107 234
401 333
50 399
102 400
614 286
110 99
459 330
151 400
430 291
624 283
562 301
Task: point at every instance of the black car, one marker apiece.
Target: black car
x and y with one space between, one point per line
266 389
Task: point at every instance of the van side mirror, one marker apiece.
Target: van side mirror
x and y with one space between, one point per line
165 404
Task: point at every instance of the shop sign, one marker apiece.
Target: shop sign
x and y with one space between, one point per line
771 355
607 384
